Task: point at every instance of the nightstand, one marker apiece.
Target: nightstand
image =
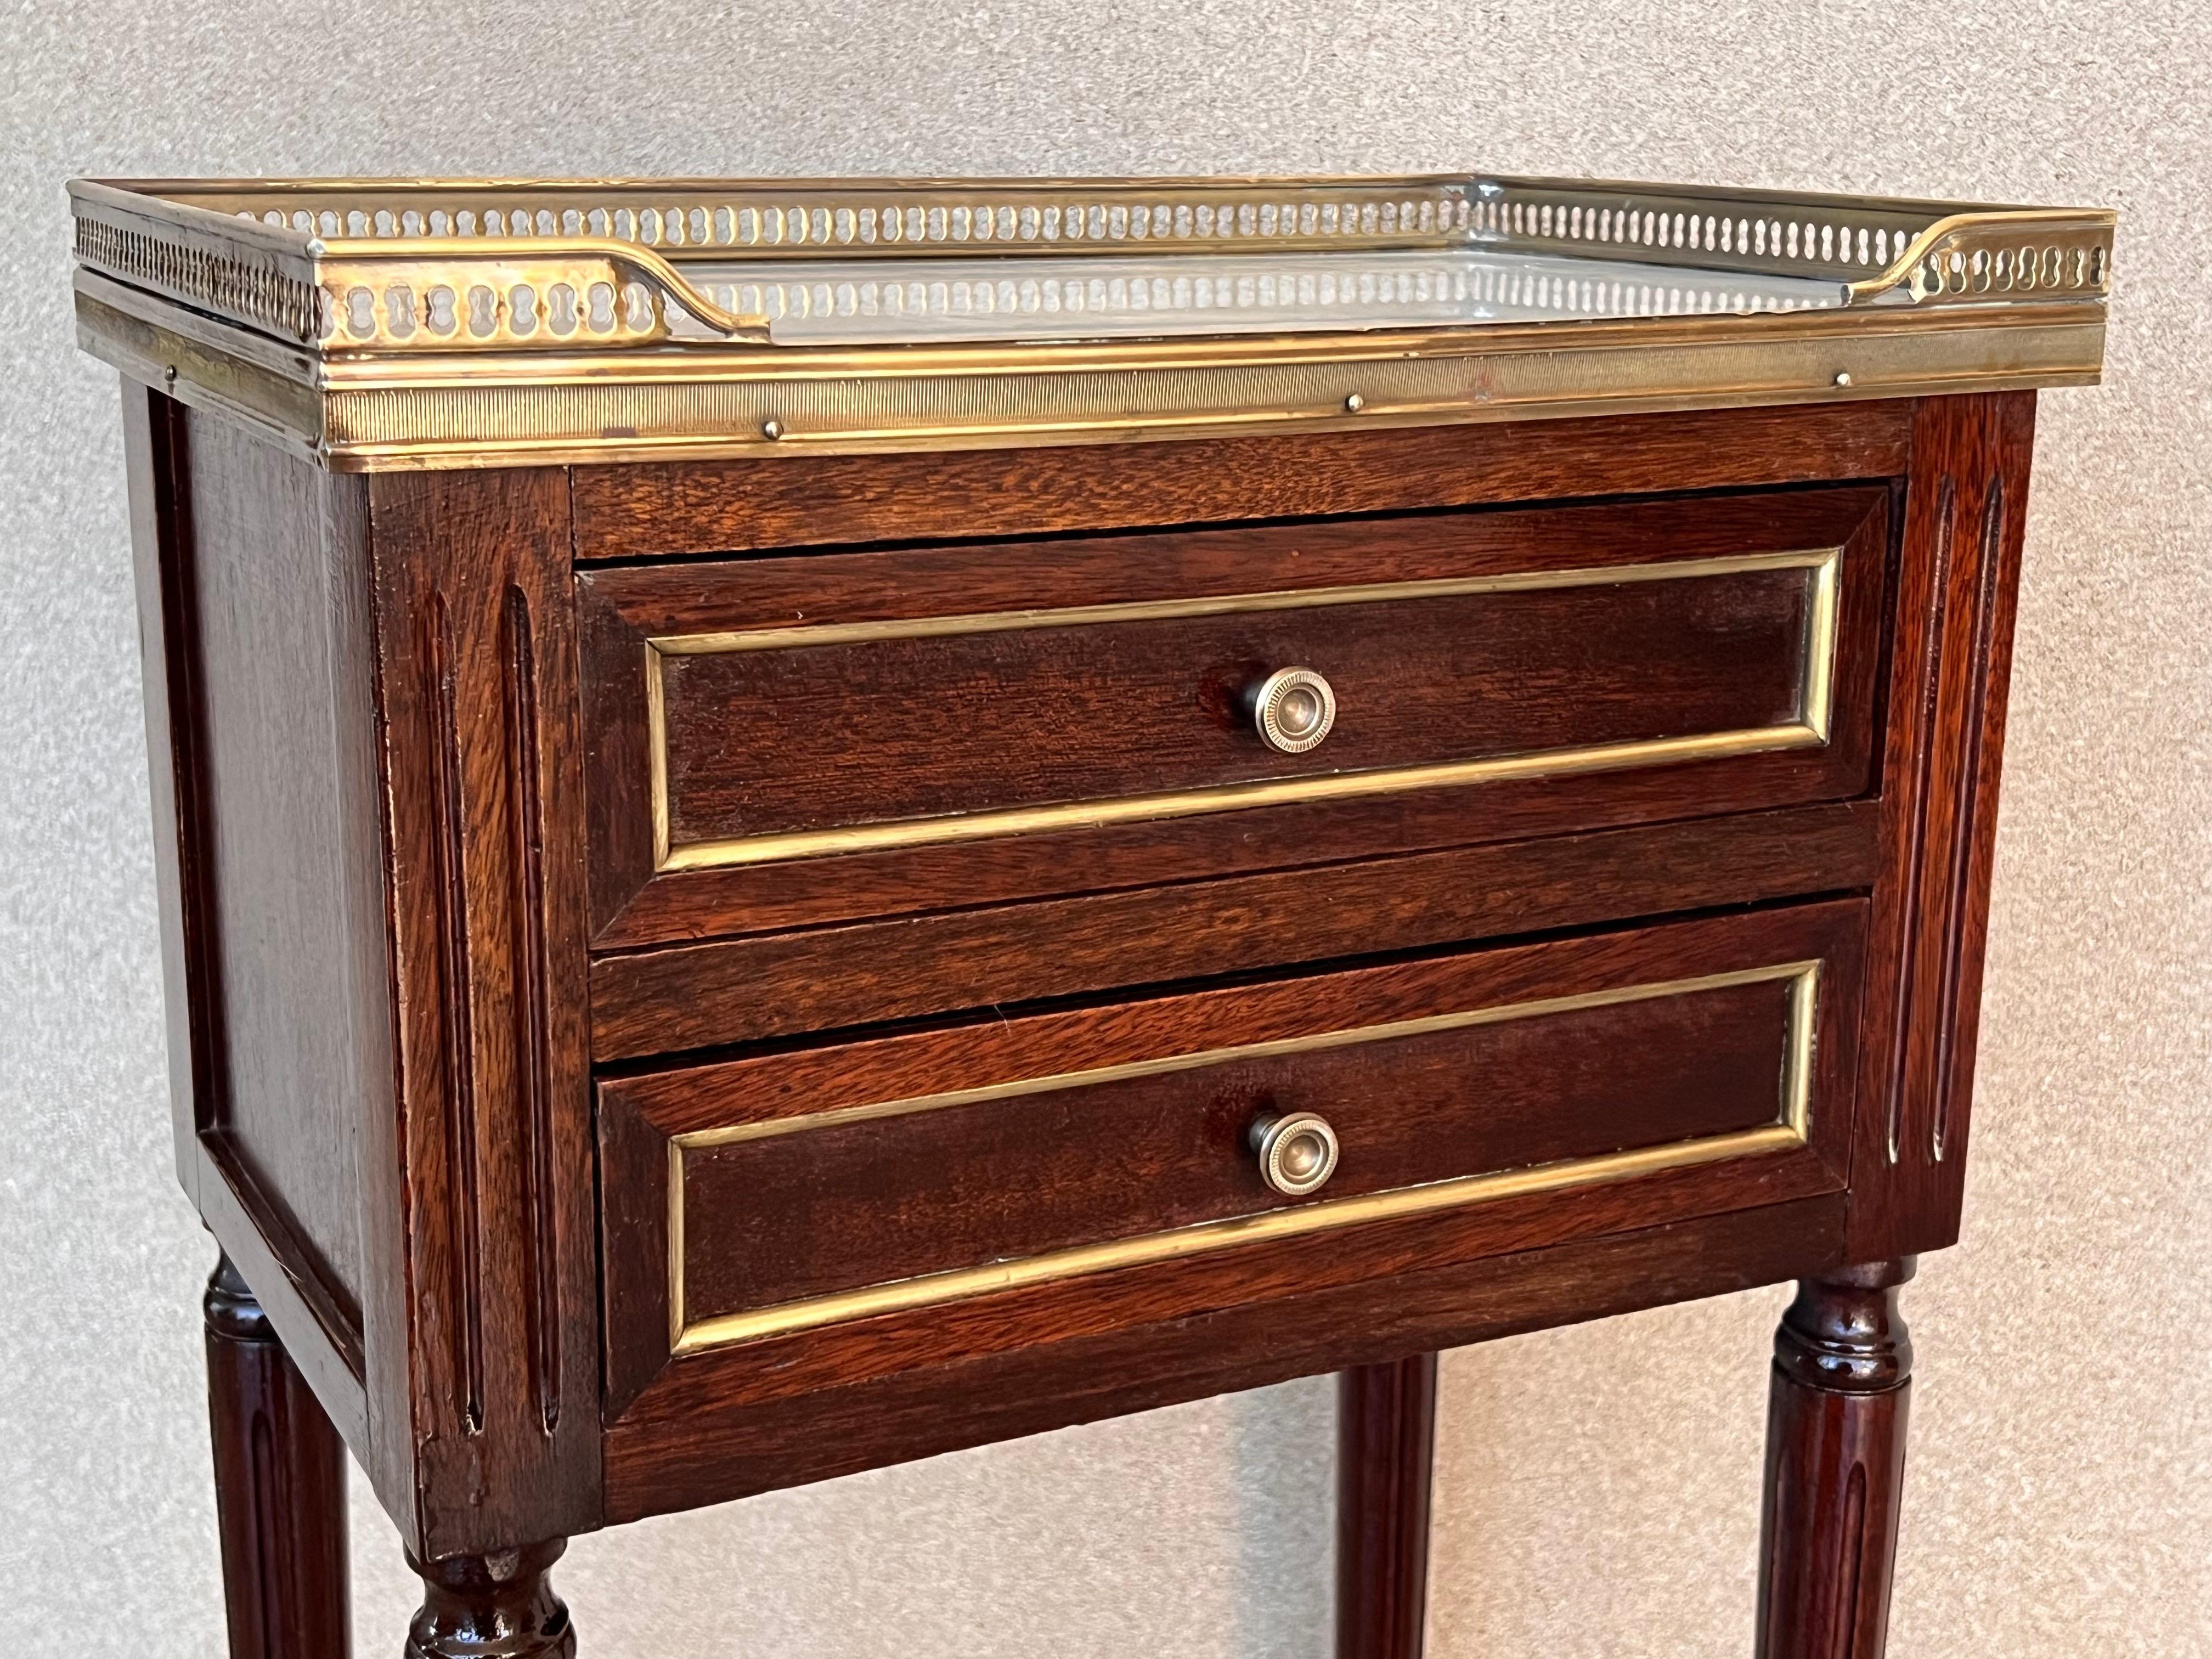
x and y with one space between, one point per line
803 824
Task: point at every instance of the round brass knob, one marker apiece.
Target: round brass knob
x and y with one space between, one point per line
1297 1152
1294 708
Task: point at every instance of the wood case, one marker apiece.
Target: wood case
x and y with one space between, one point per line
1640 717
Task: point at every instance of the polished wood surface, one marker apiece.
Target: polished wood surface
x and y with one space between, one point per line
714 507
280 1488
776 1218
476 669
1951 657
279 795
315 1311
435 1019
770 985
676 1395
491 1606
1000 721
1835 1466
758 742
992 718
1523 1277
1001 1179
1386 1444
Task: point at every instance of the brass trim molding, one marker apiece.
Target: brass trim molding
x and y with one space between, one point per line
1810 729
1790 1128
497 323
423 412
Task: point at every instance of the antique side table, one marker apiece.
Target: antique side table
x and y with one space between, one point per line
802 824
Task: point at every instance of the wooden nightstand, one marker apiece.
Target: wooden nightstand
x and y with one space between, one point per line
805 824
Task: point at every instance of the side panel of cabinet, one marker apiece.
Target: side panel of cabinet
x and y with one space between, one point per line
252 606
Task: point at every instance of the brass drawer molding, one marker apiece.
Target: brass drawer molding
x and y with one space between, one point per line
1808 729
1790 1129
461 323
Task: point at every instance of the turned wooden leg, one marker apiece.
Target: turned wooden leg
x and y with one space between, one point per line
1386 1436
492 1606
1835 1466
279 1488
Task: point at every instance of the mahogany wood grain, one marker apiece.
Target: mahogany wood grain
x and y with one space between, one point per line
316 1341
629 512
161 544
760 741
818 978
280 1488
645 1387
1951 667
795 1082
710 902
272 1030
492 1606
727 1448
833 1208
1386 1444
872 585
290 853
1835 1466
267 823
397 730
476 667
638 1114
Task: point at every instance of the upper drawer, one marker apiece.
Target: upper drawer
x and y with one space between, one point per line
792 738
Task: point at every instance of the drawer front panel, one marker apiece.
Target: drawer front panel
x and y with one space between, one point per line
896 1176
1105 1155
791 743
873 706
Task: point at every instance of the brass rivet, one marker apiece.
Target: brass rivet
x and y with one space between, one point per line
1354 403
1843 377
771 430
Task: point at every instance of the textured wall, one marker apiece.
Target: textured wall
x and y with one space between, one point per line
1597 1486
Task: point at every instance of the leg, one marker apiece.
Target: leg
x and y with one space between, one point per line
1835 1463
492 1606
1387 1417
279 1488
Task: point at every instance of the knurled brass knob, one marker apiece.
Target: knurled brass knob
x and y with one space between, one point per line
1294 708
1297 1152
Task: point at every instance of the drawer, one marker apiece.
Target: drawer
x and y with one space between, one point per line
791 739
888 1186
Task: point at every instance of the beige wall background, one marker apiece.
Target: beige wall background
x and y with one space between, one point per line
1597 1487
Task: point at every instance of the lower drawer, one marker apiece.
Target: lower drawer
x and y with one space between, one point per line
894 1183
